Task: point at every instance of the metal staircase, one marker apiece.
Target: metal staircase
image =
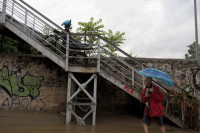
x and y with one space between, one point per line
31 26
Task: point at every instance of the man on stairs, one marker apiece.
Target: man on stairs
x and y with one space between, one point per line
67 24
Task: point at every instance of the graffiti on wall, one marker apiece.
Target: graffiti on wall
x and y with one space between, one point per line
128 89
20 92
125 87
23 103
28 85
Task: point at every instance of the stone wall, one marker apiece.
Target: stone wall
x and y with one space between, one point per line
185 73
31 83
36 83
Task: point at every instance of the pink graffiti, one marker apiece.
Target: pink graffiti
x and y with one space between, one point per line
128 89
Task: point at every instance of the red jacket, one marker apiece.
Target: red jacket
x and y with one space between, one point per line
155 102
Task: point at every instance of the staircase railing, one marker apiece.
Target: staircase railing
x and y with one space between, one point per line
41 28
31 22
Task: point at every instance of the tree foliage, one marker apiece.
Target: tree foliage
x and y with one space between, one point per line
10 45
116 38
191 51
90 27
96 27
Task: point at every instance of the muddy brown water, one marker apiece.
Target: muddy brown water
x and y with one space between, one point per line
51 122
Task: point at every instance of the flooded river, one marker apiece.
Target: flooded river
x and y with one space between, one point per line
51 122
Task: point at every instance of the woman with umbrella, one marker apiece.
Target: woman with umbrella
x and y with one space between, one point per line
152 97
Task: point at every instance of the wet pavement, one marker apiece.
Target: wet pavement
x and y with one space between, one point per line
51 122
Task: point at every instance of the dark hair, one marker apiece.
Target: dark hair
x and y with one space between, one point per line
149 78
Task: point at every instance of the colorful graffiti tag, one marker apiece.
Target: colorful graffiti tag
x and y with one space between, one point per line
28 85
23 103
125 87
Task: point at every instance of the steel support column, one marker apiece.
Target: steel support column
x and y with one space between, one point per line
68 107
72 101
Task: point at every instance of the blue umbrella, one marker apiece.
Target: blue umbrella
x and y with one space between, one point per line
158 74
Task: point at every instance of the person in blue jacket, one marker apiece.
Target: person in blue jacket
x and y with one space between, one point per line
67 24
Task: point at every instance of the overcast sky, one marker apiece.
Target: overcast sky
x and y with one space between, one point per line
154 28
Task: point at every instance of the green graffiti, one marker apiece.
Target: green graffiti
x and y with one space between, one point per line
28 85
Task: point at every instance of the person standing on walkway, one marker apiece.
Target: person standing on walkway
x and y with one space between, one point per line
152 97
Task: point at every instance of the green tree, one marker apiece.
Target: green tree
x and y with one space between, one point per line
191 51
96 27
116 38
14 45
91 27
10 45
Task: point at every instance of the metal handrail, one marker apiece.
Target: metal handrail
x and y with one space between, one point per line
121 66
106 69
41 14
33 20
102 38
125 63
116 70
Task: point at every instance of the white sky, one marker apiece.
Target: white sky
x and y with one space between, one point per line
154 28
